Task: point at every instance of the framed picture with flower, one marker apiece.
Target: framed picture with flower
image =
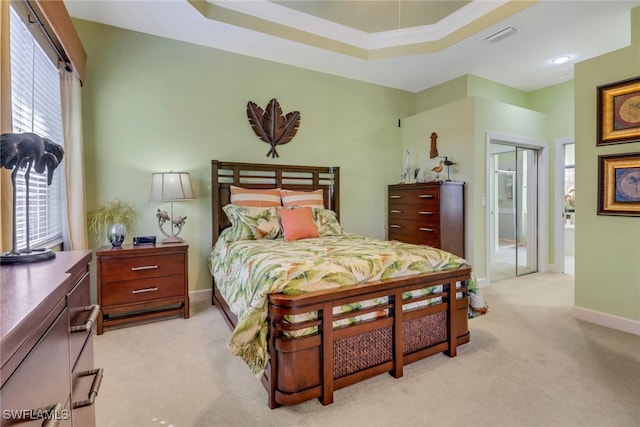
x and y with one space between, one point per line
619 112
619 184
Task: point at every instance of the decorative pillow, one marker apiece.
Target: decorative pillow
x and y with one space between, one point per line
253 223
255 197
302 198
327 222
298 223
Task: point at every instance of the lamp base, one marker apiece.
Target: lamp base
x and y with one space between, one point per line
172 239
24 257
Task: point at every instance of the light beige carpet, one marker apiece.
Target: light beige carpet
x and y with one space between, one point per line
529 363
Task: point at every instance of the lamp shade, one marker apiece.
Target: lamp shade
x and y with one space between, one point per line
171 187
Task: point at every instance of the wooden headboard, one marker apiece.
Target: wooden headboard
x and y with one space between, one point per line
262 175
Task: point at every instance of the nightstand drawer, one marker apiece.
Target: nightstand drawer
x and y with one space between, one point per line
134 291
135 268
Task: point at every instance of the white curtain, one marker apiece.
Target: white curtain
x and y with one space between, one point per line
74 210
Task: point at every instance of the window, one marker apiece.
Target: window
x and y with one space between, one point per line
36 107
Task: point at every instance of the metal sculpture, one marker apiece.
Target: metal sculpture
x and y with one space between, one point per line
271 126
178 223
30 151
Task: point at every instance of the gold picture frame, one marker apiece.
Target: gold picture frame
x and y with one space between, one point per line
619 184
619 112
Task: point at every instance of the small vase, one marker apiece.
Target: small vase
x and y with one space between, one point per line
116 234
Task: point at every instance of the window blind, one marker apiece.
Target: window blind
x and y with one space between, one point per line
36 107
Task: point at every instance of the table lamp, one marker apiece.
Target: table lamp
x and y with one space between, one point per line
171 187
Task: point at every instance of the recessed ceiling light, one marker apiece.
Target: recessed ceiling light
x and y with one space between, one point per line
561 59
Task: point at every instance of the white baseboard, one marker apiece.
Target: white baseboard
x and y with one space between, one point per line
609 320
200 295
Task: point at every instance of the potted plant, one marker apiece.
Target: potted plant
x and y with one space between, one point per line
115 217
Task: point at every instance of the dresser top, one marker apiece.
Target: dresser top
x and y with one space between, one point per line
426 184
28 293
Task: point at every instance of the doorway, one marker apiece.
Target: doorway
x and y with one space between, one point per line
513 209
565 193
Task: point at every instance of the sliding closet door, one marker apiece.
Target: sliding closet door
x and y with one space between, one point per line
526 194
514 211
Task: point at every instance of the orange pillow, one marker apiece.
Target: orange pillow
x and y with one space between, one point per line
298 223
255 197
302 198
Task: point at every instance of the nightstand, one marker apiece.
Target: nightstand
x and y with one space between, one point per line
141 282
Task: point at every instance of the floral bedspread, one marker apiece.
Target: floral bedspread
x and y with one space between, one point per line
247 271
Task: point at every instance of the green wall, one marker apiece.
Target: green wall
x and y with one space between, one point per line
152 104
557 103
607 247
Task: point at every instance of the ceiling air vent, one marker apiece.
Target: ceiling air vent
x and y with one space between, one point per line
505 32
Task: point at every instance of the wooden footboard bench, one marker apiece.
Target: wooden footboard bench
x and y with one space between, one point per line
314 366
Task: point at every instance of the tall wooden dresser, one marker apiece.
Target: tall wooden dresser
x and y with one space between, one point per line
46 347
428 213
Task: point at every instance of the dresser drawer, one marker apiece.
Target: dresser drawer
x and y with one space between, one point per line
408 226
42 379
134 291
83 380
134 268
429 239
428 212
414 196
80 311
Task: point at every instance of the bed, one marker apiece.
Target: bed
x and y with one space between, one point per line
309 345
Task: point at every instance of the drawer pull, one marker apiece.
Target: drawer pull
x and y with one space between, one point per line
425 229
144 267
395 196
93 391
425 213
140 291
95 311
395 226
50 414
426 196
395 211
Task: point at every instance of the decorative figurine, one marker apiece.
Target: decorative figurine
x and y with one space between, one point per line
438 169
434 147
27 150
448 163
407 168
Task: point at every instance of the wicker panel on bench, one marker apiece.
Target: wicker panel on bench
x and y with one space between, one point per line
358 352
424 332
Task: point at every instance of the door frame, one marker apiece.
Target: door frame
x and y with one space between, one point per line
558 202
543 195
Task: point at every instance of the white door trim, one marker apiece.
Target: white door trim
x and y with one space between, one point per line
543 195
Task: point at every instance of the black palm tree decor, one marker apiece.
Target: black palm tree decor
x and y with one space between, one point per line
30 151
